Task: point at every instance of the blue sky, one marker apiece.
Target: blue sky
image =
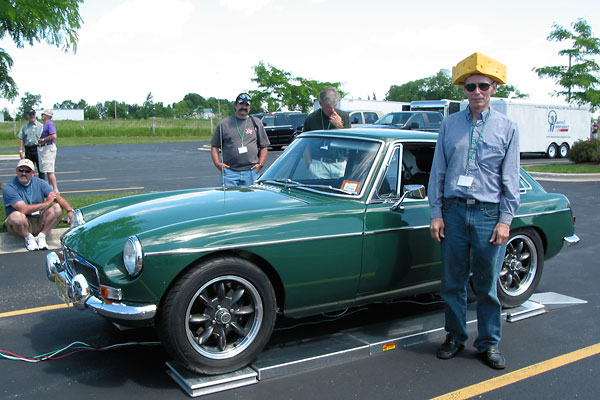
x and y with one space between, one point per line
128 48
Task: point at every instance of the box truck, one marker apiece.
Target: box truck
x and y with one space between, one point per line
545 128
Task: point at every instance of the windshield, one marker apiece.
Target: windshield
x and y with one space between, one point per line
393 119
324 163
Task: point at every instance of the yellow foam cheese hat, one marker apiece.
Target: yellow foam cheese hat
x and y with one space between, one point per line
477 63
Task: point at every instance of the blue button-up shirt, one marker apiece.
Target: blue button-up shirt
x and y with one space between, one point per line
494 167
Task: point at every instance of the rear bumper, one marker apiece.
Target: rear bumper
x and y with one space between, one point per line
75 289
571 240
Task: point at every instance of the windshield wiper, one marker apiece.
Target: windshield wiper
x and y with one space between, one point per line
329 187
288 182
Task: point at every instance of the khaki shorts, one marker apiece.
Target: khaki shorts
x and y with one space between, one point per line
47 157
35 225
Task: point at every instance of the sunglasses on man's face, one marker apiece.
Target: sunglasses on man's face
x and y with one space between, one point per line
25 170
482 86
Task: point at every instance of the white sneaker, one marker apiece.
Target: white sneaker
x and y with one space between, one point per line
41 242
30 243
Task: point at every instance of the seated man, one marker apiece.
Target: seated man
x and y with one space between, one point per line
27 213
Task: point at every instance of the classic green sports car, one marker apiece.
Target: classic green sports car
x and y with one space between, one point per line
340 219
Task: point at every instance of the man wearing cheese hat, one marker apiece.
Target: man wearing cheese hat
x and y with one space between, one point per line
473 195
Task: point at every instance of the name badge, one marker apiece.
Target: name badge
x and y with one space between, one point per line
465 181
242 149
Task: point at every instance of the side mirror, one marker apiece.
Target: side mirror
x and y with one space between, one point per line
412 192
414 125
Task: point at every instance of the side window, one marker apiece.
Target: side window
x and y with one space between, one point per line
356 118
416 164
388 186
281 120
370 117
268 121
418 119
434 119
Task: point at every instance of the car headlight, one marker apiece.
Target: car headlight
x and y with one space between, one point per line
132 256
77 218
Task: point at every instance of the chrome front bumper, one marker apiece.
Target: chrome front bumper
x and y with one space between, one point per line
74 289
571 240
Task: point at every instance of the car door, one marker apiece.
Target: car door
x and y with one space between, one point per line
399 256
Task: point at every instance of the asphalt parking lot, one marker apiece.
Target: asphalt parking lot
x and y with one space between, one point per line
32 321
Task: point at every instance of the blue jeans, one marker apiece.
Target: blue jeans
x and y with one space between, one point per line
465 248
239 178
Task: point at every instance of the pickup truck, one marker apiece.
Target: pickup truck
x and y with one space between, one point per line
428 121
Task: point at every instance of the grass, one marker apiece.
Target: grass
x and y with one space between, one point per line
77 202
565 168
78 133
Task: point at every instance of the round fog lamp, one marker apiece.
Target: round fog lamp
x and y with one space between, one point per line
132 256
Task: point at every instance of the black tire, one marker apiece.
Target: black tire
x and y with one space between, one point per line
552 151
522 267
218 316
563 150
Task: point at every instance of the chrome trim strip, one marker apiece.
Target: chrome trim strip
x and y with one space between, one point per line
571 240
406 228
541 213
243 245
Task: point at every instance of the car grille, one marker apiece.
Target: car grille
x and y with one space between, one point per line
75 264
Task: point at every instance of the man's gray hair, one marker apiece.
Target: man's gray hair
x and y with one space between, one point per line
329 97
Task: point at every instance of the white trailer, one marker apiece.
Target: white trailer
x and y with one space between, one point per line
545 128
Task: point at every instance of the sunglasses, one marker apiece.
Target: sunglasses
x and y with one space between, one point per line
482 86
25 170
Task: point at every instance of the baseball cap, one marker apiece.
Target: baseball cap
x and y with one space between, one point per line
48 113
243 98
30 112
26 163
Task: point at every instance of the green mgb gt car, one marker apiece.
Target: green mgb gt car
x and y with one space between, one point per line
340 219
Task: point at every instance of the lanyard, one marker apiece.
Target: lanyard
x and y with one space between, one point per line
28 193
238 129
323 122
473 150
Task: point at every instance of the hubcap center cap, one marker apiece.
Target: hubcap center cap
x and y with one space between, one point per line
223 316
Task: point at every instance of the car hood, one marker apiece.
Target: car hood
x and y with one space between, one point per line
103 236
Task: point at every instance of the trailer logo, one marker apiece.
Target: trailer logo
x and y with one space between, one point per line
555 124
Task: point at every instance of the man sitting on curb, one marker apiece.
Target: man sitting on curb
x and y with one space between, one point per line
27 213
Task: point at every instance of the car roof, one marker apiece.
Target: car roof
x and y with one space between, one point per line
413 112
381 134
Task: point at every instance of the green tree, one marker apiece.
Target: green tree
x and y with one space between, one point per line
66 105
509 92
439 86
28 102
54 21
91 112
435 87
581 77
279 89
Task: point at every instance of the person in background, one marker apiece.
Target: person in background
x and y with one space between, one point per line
473 195
243 142
29 136
28 215
327 117
47 148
